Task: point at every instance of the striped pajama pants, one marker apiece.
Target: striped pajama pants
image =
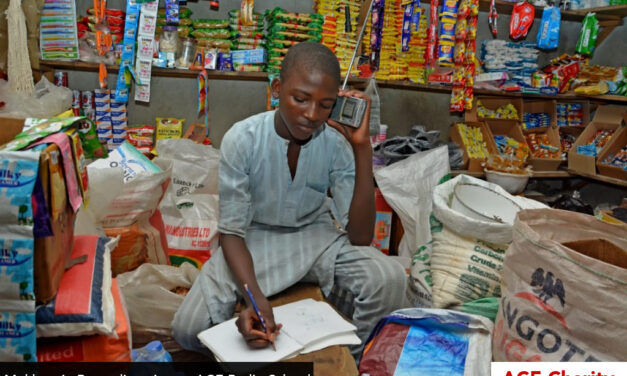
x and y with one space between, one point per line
375 284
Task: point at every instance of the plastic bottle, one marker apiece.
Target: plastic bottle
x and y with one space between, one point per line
152 352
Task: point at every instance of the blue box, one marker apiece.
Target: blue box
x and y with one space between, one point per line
256 56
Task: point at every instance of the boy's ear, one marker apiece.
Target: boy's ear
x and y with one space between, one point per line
275 87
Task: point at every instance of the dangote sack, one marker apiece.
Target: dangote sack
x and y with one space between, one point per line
564 294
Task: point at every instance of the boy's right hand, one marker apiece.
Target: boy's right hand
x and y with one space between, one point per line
250 328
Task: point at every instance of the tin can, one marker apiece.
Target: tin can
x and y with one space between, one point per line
76 98
90 113
60 79
87 99
76 109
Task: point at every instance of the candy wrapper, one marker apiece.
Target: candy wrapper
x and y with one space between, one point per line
549 31
172 11
246 12
588 35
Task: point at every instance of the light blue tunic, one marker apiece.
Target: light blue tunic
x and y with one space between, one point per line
288 228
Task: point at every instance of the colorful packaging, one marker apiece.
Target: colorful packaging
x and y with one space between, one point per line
18 175
169 128
18 342
523 14
588 35
129 159
84 303
549 31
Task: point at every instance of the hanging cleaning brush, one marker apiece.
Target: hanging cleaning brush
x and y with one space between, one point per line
19 69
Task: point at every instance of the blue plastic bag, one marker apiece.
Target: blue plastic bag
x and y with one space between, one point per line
549 32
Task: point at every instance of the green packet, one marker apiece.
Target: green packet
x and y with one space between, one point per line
247 34
303 18
295 28
588 35
40 128
183 12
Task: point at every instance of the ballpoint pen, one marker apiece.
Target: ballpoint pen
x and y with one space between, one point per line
254 303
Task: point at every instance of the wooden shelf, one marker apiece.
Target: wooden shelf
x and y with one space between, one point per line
50 65
601 178
162 72
603 13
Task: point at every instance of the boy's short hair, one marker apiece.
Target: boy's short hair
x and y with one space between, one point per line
311 56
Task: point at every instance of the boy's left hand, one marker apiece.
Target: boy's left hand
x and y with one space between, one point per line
355 136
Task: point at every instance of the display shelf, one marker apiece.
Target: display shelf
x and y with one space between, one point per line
601 178
50 65
603 13
46 65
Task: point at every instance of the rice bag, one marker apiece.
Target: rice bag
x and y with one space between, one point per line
17 337
129 159
549 31
84 303
588 35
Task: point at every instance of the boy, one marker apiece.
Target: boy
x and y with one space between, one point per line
275 216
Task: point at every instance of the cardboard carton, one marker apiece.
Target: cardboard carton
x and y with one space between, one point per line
474 164
614 146
494 103
606 118
543 106
547 164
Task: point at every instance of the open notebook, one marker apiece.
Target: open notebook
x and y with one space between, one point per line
308 325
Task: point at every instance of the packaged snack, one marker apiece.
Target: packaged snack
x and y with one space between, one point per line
172 11
588 35
523 14
445 54
169 128
246 12
447 30
225 62
210 24
211 33
549 30
449 9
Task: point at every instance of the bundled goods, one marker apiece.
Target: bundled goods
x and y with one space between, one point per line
512 148
508 164
459 49
570 114
335 12
617 160
247 35
519 60
212 34
590 75
181 18
596 143
114 21
391 67
141 137
110 118
541 147
472 137
560 73
536 120
507 111
417 47
285 29
58 32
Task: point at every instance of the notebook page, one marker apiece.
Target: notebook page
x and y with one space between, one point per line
309 321
228 345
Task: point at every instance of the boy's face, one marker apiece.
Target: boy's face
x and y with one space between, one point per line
306 99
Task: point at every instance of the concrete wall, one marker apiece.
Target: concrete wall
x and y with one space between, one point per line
231 101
